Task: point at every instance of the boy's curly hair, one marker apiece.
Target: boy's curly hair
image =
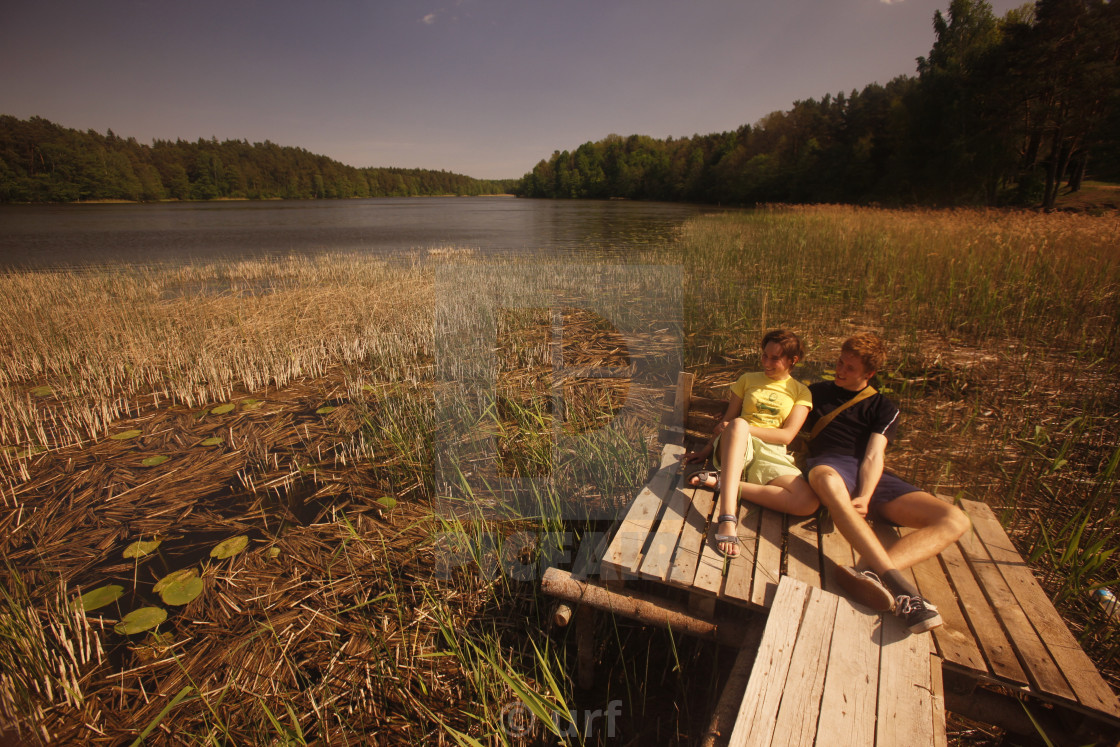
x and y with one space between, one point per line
870 348
790 343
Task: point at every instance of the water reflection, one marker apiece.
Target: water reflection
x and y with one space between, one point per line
42 236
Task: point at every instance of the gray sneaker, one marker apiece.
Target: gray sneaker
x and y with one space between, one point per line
866 588
919 614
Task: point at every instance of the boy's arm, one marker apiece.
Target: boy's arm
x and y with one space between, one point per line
870 470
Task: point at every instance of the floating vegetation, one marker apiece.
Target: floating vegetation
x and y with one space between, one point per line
251 404
155 461
126 435
213 441
387 501
42 391
141 620
230 547
101 596
222 409
182 589
326 410
140 548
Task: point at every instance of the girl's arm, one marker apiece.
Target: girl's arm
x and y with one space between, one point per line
734 407
789 430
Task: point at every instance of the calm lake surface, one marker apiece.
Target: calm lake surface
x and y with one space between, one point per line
45 236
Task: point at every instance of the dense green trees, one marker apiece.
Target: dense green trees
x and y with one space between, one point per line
44 162
1001 111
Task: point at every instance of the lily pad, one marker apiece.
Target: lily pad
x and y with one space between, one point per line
387 501
213 441
139 549
101 596
251 404
140 620
273 553
181 591
125 435
42 391
155 461
326 410
222 409
230 547
175 577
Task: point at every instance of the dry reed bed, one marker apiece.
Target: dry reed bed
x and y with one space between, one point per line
342 625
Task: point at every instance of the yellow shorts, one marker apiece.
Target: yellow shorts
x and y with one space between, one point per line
764 462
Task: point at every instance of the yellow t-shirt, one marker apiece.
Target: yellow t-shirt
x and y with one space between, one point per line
767 403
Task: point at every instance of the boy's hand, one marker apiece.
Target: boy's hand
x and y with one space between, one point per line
860 504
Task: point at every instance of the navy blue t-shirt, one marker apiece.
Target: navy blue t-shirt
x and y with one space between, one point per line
849 432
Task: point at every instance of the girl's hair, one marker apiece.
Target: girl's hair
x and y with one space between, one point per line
870 349
790 343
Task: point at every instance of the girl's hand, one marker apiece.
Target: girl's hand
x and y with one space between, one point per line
696 456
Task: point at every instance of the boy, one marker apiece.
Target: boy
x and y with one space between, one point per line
845 469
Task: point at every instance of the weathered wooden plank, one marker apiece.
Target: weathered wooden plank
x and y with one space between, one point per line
802 554
755 723
737 586
1041 669
851 687
955 642
837 552
687 554
675 425
711 564
982 620
1089 687
768 559
801 703
905 710
937 690
623 555
655 564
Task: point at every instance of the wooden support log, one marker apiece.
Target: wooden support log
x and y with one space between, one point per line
641 607
1007 713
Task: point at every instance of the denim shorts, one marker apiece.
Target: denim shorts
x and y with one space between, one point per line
890 485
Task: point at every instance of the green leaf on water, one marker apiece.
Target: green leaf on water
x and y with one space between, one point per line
140 620
42 391
325 410
101 596
230 547
155 461
174 577
139 549
222 409
251 404
387 501
213 441
125 435
273 553
181 591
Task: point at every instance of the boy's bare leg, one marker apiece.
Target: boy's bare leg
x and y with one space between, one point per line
938 523
830 488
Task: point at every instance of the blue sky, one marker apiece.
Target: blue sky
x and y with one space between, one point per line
481 87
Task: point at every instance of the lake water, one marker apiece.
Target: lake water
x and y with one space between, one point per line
43 236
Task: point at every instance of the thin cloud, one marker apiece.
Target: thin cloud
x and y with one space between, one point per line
429 19
890 2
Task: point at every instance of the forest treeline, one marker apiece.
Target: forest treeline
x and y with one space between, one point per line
1002 111
44 162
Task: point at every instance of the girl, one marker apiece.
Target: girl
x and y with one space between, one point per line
766 412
